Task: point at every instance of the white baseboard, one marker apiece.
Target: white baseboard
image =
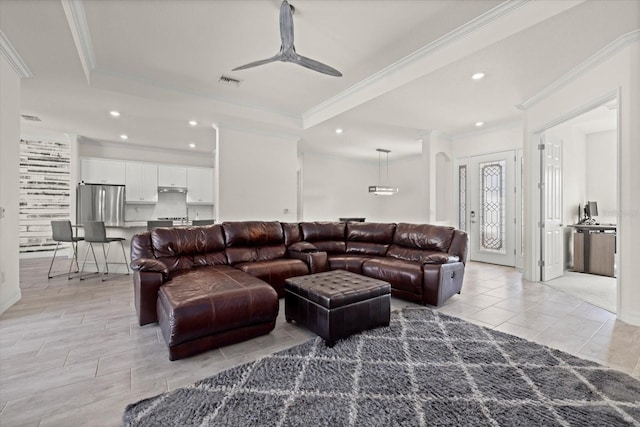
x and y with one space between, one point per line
630 317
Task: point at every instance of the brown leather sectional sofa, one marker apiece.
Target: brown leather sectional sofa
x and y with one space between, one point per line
214 285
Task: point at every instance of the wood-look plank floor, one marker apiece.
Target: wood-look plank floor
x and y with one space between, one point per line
72 353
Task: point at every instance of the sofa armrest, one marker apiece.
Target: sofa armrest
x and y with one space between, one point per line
316 261
304 247
441 281
151 264
145 291
440 258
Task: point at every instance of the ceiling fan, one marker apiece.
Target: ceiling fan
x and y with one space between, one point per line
287 49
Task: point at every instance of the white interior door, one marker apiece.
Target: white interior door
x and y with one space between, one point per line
491 185
551 208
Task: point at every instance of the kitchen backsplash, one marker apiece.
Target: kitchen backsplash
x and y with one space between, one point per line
169 205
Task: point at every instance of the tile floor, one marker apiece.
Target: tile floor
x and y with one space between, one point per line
72 353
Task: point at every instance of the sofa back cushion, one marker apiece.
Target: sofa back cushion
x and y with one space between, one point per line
326 236
292 233
141 246
250 241
369 238
420 242
181 248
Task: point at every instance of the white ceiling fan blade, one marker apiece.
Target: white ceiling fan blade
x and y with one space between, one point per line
275 58
286 26
314 65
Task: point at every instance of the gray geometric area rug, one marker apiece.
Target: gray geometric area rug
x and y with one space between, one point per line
424 369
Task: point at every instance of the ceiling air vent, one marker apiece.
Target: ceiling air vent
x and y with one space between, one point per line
31 118
231 81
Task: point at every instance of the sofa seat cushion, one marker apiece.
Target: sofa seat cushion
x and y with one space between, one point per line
348 262
208 300
275 271
403 275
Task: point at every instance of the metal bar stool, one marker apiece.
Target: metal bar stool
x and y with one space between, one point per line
94 232
159 223
62 232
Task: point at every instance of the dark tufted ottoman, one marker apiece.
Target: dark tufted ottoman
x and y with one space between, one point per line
336 304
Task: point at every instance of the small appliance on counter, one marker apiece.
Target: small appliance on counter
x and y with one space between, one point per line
180 220
100 202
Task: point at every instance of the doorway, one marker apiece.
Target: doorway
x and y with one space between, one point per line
579 164
487 196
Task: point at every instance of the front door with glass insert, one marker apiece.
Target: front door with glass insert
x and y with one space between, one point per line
490 210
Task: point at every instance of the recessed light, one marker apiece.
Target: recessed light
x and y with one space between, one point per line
114 113
479 124
192 145
338 131
124 136
193 123
478 76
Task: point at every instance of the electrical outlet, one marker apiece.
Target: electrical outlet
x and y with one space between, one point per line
286 210
1 212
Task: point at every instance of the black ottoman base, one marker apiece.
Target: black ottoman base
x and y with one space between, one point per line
341 322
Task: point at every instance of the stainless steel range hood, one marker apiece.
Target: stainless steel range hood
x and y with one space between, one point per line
172 190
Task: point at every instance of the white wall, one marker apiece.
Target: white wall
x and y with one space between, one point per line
336 187
601 173
488 141
9 185
406 206
618 72
257 177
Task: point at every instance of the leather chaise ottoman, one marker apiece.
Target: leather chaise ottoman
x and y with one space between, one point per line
213 306
336 304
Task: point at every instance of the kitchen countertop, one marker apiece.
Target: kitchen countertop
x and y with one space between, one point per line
143 224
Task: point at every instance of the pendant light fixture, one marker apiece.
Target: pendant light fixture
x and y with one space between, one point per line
381 190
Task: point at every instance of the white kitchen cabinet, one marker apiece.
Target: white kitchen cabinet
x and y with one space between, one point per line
200 186
102 171
142 182
172 176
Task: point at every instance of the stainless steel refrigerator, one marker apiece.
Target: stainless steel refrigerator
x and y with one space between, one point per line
100 202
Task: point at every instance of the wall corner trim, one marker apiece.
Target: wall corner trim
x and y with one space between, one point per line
630 317
77 19
13 58
591 62
9 301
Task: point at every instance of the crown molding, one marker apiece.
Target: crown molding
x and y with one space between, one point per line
13 58
77 20
594 103
438 44
596 59
137 146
